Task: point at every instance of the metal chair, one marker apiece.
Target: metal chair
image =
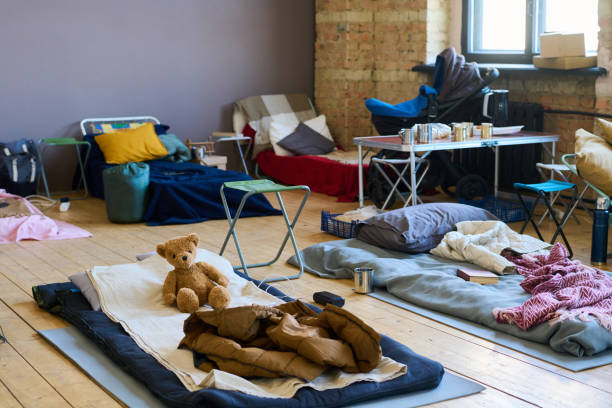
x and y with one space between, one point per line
252 187
560 170
569 160
543 190
64 141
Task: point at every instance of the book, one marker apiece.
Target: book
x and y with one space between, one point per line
482 277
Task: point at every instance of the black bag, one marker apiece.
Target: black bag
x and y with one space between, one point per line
19 167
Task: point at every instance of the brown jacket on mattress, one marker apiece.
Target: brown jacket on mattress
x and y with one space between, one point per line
285 340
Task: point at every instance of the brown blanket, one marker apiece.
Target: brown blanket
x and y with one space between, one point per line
285 340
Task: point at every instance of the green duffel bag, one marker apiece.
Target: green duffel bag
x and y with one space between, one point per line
126 192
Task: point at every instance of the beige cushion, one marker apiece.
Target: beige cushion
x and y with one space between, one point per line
594 160
606 127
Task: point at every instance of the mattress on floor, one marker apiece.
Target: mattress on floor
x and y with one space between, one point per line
430 282
65 300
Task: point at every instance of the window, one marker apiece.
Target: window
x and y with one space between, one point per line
508 31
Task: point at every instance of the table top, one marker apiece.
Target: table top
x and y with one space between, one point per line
394 142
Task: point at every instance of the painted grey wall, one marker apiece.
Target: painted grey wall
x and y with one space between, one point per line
183 61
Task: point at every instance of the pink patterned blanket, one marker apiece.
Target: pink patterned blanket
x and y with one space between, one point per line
561 289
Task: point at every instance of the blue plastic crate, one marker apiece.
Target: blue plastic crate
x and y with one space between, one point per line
336 227
505 210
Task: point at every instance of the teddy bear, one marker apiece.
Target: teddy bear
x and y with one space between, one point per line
191 285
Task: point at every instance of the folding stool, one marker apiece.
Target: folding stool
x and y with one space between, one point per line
393 163
65 141
560 169
542 190
255 187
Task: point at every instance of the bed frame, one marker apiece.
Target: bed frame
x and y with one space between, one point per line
88 123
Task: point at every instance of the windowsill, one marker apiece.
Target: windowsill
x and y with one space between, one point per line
526 68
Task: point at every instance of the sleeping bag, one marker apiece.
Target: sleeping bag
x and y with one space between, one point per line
126 192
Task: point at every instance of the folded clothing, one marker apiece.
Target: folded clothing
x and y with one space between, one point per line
69 303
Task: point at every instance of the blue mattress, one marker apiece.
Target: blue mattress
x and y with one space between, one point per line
182 193
66 300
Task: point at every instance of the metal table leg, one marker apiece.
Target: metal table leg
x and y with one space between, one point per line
413 184
360 175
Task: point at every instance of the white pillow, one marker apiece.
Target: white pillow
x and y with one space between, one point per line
319 125
279 131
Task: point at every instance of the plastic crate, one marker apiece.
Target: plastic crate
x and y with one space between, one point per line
336 227
505 210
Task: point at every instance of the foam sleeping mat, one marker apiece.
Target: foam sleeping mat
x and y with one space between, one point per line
65 300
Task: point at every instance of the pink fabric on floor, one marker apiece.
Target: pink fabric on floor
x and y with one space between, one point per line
36 226
561 289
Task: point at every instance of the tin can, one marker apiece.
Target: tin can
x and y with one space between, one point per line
470 128
424 133
407 136
460 133
364 280
486 130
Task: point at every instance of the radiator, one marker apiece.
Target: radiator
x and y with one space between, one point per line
516 163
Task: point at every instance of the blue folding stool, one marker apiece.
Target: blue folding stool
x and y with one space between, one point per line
542 189
256 187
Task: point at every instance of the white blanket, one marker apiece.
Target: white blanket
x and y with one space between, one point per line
131 295
482 242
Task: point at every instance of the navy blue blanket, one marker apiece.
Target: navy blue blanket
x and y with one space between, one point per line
182 193
65 300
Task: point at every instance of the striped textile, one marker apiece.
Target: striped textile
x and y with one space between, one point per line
260 111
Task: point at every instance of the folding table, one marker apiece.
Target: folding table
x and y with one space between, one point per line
394 143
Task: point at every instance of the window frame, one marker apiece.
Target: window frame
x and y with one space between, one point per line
534 26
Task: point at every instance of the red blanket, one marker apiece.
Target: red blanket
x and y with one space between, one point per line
560 289
319 173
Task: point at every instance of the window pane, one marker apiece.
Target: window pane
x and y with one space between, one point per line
574 17
503 25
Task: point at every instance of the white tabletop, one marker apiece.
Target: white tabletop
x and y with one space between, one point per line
394 142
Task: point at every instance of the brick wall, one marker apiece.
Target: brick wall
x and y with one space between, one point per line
366 48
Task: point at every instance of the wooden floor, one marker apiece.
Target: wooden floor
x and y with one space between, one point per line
34 374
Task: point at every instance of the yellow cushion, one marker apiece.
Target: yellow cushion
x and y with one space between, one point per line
594 160
134 145
606 126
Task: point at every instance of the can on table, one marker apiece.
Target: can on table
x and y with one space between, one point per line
407 136
486 130
461 133
424 133
470 128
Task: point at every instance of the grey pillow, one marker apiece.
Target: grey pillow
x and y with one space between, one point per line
306 140
417 228
81 280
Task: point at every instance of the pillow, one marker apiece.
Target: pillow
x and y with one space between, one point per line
606 126
134 145
81 280
177 151
594 160
279 131
305 140
417 228
160 128
319 125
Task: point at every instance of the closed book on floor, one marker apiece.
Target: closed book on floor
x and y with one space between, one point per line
482 277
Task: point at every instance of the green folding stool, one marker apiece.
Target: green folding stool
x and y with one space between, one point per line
65 141
256 187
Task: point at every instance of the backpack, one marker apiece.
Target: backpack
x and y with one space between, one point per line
19 167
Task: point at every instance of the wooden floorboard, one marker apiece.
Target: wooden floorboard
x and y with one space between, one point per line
33 373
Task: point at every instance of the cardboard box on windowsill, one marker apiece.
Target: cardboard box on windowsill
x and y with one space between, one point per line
554 45
565 62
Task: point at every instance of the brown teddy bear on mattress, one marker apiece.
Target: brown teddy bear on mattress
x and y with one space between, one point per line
191 285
